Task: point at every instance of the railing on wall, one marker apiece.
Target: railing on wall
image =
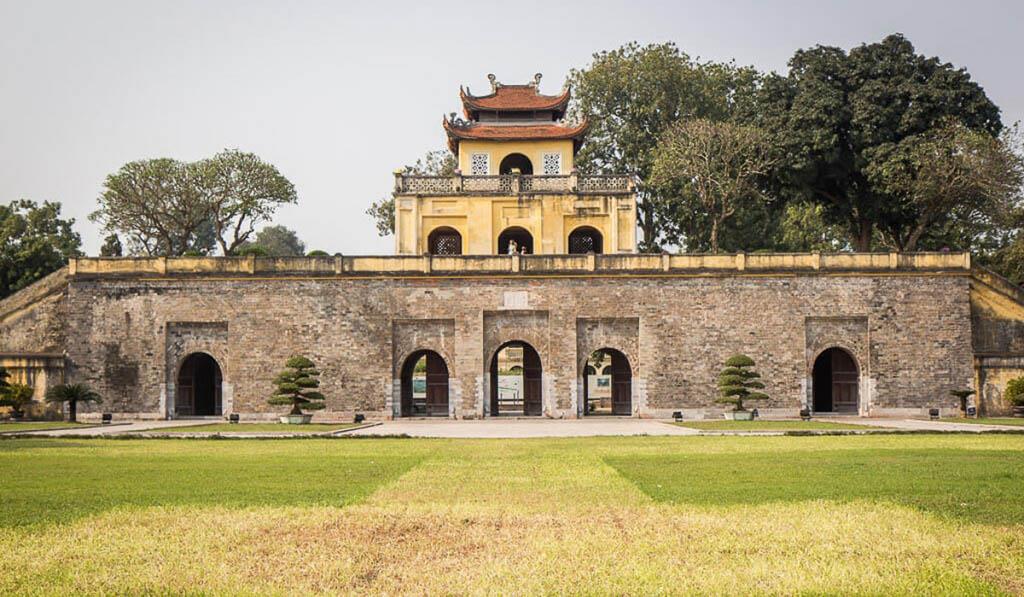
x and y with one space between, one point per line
476 265
510 184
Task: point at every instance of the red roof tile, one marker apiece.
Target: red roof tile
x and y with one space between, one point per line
512 132
512 98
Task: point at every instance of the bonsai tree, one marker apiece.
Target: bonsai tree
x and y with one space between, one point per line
738 382
296 386
16 396
72 393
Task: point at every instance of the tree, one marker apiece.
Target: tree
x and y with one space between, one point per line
803 228
111 247
72 394
946 173
34 242
631 96
836 114
439 162
242 191
739 382
159 206
17 396
296 386
274 241
712 168
168 207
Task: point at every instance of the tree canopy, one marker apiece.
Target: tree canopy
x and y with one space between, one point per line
438 162
274 241
34 241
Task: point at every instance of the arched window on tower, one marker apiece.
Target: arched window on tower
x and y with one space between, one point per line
515 161
444 241
585 240
515 240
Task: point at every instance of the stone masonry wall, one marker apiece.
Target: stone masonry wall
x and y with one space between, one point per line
911 334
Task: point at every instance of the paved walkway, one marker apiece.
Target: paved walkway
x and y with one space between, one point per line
515 428
117 428
921 424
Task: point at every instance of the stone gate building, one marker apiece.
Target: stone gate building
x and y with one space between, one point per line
517 291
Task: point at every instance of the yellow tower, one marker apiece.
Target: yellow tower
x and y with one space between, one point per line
516 189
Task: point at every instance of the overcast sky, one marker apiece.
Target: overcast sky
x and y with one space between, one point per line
337 95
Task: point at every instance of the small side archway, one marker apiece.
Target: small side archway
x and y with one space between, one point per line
444 240
515 240
515 161
199 392
424 381
607 384
835 382
585 239
516 380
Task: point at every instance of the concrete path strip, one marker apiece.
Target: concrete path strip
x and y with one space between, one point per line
521 428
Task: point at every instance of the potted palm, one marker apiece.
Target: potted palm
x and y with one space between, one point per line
296 387
737 383
72 393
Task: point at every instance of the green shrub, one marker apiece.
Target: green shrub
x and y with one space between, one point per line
317 253
739 382
1014 393
17 396
296 386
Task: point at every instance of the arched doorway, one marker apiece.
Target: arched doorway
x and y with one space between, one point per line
424 385
444 241
515 240
515 161
607 384
835 382
516 381
199 387
585 240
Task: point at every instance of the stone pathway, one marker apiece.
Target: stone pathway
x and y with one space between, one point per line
921 424
521 428
117 428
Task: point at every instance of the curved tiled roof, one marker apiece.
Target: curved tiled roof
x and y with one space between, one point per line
512 132
513 98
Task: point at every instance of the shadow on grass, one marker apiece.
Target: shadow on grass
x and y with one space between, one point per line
55 481
969 485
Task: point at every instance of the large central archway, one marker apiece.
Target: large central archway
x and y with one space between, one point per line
424 385
835 382
516 381
607 384
199 391
515 240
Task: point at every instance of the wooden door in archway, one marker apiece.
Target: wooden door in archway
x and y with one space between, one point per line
533 404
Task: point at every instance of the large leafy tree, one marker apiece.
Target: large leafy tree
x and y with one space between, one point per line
439 162
169 207
275 241
631 96
712 169
34 241
837 114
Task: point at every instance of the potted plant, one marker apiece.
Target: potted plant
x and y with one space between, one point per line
72 393
738 382
296 386
1014 394
16 396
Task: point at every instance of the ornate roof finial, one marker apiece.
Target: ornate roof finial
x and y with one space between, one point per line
494 82
536 80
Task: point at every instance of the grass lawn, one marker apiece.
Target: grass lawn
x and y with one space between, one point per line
907 514
38 425
259 428
761 425
1016 421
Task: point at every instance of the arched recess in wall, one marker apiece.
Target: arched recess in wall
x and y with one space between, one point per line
515 161
835 382
516 380
444 240
424 390
515 240
607 384
199 389
585 239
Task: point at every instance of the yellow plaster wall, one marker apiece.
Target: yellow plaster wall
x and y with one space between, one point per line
534 150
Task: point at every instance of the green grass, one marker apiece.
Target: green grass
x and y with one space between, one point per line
38 425
258 428
880 514
761 425
1015 421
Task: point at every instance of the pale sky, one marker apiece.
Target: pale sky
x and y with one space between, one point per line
338 95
